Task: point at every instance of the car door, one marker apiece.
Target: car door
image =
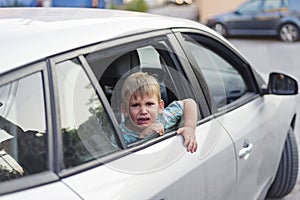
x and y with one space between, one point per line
26 136
240 109
269 18
243 18
159 168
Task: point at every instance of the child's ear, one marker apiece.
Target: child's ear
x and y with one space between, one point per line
161 106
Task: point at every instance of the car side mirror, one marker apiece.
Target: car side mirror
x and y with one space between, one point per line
282 84
237 12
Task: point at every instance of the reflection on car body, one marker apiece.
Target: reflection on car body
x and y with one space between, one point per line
60 110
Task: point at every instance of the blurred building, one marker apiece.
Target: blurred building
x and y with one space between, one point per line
208 8
53 3
150 3
20 3
78 3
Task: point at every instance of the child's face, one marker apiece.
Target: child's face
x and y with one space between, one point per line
143 111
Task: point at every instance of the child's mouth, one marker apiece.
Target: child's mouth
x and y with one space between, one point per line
142 121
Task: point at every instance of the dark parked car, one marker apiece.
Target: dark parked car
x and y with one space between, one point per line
261 17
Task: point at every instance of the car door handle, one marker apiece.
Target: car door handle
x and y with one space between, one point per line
245 151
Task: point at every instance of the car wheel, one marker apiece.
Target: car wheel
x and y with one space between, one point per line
287 171
289 33
220 28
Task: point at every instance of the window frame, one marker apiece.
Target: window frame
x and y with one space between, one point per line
59 167
177 57
229 54
45 176
183 63
143 39
273 9
130 42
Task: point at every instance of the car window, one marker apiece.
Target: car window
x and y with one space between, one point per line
271 5
113 67
224 81
23 133
87 132
285 4
249 7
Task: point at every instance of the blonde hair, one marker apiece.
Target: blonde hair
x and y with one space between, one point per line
140 84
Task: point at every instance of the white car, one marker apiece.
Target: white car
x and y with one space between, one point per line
60 69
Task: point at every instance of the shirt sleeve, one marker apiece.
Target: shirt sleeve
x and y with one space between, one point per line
172 114
129 136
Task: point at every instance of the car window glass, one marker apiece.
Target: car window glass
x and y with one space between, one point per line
224 82
112 68
23 134
271 5
86 130
249 7
285 4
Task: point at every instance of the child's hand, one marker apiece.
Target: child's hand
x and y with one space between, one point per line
153 128
189 137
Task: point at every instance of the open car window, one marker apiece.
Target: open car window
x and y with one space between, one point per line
153 57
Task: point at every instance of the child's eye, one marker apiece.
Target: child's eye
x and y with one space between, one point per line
134 105
150 104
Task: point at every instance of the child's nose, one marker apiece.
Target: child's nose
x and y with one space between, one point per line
144 109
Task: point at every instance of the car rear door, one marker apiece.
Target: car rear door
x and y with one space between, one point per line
246 116
243 18
159 168
269 19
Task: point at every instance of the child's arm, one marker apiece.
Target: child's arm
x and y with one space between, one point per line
190 122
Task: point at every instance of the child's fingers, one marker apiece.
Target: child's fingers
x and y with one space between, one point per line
185 137
179 131
189 141
159 129
192 146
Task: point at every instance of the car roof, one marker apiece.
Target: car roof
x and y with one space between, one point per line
30 34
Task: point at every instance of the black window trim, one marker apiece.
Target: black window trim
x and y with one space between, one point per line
181 62
38 179
104 101
184 60
199 76
60 169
